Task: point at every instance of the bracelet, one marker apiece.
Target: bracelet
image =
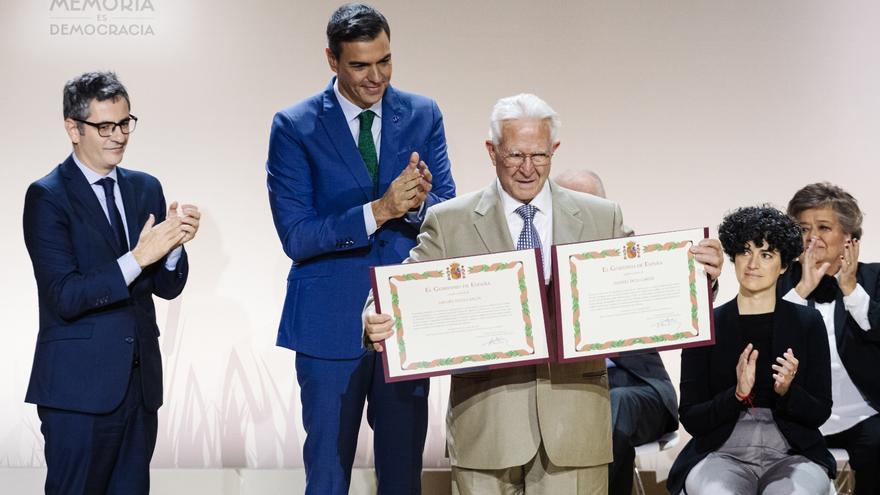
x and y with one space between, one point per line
747 399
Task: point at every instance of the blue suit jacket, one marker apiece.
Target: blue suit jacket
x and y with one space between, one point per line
318 184
89 318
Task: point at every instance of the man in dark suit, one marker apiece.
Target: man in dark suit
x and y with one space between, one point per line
349 183
643 402
102 245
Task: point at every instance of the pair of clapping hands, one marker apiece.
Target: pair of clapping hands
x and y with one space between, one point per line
814 269
785 370
406 193
157 240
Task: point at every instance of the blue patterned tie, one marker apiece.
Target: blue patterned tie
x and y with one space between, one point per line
113 213
528 237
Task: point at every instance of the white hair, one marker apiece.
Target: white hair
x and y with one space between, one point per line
522 106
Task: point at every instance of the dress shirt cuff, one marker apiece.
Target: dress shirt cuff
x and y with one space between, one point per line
857 303
129 267
172 258
369 219
415 217
794 297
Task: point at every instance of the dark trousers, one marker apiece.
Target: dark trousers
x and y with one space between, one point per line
862 442
333 394
94 454
637 416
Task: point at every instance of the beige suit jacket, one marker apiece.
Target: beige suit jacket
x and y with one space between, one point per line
497 419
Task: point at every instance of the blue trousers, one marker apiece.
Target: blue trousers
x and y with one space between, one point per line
333 393
95 454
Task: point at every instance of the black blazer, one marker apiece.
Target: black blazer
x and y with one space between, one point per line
649 367
859 349
709 410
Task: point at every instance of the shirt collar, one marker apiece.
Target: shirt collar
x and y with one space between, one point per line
349 109
91 175
543 201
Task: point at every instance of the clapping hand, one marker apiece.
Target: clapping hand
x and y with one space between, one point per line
784 372
812 274
745 371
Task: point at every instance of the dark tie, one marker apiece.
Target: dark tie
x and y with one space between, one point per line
367 147
115 217
528 237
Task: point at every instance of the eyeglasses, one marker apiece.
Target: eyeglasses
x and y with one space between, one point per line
516 160
106 129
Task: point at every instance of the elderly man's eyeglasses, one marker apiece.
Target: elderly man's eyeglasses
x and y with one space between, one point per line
106 129
516 160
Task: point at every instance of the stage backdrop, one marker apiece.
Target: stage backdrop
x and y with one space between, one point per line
734 103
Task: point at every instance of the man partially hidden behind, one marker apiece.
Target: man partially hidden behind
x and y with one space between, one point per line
349 182
102 244
533 429
643 401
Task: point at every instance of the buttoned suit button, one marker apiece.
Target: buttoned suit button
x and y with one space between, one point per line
129 340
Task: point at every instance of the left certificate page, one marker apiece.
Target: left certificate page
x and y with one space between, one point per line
462 314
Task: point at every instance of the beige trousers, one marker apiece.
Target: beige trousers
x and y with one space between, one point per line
538 477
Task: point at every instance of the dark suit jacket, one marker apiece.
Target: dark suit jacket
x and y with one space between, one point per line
709 409
649 367
89 317
318 184
859 350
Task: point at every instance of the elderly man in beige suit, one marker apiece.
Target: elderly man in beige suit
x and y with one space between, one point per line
534 429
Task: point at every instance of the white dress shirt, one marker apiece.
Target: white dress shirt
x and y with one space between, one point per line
849 407
127 263
543 220
351 112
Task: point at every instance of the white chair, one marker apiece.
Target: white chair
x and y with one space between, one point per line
665 442
842 485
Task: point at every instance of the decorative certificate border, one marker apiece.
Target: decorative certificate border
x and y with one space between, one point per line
647 339
400 332
573 339
526 272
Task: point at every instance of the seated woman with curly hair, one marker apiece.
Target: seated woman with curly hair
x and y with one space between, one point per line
754 401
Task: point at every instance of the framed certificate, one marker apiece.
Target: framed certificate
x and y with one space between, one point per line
631 294
462 314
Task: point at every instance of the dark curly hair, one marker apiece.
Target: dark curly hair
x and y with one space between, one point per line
759 224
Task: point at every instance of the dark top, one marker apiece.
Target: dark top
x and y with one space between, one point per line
758 330
709 409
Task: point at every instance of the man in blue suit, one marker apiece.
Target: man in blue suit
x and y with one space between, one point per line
351 172
102 244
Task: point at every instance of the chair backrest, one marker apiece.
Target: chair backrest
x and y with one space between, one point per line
840 455
665 442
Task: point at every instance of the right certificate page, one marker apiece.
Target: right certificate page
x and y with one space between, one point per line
631 294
